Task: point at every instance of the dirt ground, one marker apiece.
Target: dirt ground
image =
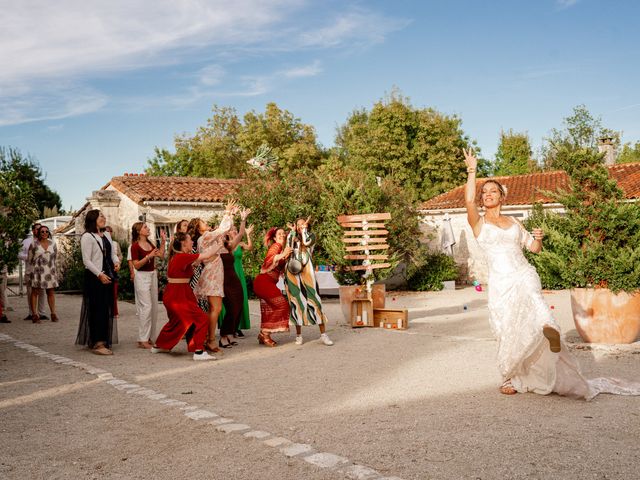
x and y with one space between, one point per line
415 404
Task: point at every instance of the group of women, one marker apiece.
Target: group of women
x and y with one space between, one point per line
206 286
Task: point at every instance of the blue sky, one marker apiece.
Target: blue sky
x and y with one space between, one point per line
89 88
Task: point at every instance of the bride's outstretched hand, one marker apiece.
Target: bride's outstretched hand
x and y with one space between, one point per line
470 158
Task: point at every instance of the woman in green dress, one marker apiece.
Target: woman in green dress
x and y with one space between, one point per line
245 322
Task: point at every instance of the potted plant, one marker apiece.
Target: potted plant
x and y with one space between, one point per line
594 249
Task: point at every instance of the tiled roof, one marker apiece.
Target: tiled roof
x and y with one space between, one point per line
530 188
142 188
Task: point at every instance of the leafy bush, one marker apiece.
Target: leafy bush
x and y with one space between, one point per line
69 264
431 269
597 242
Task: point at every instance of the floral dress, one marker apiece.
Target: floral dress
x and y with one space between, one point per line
211 281
43 264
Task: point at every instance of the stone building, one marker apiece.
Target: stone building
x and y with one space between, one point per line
161 202
522 192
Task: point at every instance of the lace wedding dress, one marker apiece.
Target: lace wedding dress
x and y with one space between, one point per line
518 313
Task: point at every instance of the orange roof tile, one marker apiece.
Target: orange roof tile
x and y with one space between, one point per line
143 188
530 188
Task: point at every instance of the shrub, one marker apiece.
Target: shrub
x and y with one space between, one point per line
324 194
596 243
430 270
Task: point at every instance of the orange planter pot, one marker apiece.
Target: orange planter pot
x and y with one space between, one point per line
604 317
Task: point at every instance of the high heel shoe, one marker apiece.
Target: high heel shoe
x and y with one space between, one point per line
239 334
223 346
266 340
231 342
213 349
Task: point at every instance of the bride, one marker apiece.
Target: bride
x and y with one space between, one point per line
531 355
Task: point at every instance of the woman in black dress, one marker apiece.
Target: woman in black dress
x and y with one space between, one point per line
97 327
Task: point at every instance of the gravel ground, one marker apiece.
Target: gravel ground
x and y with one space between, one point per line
414 404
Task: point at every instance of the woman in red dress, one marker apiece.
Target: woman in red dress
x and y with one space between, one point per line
274 307
180 302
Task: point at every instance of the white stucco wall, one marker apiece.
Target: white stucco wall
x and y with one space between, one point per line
466 251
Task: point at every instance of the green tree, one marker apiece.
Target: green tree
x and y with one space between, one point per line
17 211
514 155
581 131
291 141
421 149
324 194
629 153
222 147
26 170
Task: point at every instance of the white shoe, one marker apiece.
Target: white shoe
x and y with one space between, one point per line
203 356
159 350
324 338
299 340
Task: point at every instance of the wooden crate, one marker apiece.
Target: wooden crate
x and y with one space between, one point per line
396 319
362 313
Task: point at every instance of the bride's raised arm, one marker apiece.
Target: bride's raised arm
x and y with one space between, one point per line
473 215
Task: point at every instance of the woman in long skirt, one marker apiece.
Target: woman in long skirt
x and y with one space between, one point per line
185 316
245 319
97 329
274 308
303 296
233 294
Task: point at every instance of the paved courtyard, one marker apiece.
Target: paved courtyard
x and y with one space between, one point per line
415 404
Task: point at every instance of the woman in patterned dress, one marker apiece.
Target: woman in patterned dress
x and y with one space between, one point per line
301 286
42 257
210 284
274 308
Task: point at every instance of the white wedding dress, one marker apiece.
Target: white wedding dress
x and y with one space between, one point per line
518 312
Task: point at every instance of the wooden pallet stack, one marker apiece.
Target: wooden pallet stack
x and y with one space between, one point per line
365 239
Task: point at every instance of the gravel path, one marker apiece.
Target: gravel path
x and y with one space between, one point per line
415 404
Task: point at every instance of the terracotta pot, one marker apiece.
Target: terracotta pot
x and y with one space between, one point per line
347 293
604 317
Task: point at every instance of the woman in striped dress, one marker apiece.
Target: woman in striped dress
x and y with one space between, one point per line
301 286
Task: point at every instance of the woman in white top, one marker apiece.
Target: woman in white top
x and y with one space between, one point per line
531 354
97 327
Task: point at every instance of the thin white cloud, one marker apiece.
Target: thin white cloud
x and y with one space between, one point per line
562 4
304 71
52 51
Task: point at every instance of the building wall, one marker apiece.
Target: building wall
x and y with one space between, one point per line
466 252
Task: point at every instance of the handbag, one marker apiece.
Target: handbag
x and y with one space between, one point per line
294 266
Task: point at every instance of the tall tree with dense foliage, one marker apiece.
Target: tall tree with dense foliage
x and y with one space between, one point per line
419 148
514 155
25 169
221 148
17 211
629 153
581 131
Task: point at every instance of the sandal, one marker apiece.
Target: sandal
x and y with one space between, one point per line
35 319
101 350
507 388
266 340
553 336
54 317
145 345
